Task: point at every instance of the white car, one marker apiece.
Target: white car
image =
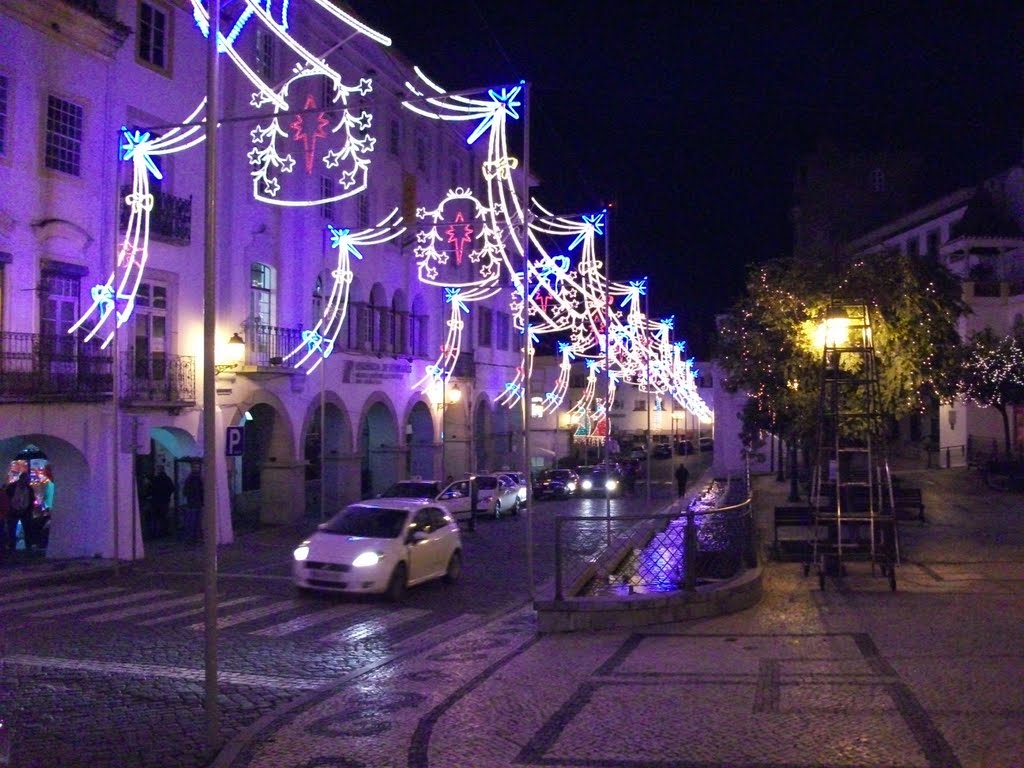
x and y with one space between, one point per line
380 546
496 495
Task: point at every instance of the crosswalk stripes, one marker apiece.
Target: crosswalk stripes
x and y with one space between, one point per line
140 610
196 611
48 599
78 607
308 620
373 625
253 614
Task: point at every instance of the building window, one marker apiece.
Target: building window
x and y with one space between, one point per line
327 191
154 35
421 152
503 330
318 300
485 327
878 180
363 211
261 294
3 116
395 136
264 52
639 405
58 311
150 318
63 136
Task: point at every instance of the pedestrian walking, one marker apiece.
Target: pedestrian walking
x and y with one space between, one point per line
682 478
23 501
161 489
193 490
43 517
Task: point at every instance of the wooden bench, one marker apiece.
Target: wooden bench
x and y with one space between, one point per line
794 533
907 503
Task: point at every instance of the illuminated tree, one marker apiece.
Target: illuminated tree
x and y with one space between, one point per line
767 343
992 373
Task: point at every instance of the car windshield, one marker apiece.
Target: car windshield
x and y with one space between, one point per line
487 482
367 522
412 489
554 474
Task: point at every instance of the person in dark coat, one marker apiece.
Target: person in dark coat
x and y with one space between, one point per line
193 490
161 489
682 478
23 500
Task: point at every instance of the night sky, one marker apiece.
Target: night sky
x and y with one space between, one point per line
690 117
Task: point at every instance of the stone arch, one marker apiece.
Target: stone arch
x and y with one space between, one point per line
271 473
378 445
325 454
420 440
483 428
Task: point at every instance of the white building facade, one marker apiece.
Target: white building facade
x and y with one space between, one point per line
104 417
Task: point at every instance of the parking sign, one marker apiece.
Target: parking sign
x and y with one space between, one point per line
234 442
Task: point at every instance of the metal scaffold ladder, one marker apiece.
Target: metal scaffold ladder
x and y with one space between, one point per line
851 488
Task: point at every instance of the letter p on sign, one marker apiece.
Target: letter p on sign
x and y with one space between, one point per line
234 442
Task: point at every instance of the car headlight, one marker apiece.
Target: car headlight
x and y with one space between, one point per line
302 551
521 493
611 485
587 485
367 559
570 486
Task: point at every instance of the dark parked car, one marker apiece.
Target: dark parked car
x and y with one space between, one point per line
684 447
706 444
598 480
662 451
556 484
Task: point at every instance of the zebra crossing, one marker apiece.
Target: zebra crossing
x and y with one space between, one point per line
256 615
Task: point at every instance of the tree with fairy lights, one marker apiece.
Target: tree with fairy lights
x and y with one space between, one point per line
992 373
768 347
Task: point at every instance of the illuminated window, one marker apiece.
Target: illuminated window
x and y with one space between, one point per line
153 35
3 116
264 52
63 136
318 300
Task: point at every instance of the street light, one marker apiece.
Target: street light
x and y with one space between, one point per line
230 355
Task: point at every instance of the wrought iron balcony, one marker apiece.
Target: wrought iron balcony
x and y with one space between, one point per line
264 343
170 220
158 380
45 368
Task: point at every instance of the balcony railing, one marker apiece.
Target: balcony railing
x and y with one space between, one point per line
159 380
170 220
47 368
266 342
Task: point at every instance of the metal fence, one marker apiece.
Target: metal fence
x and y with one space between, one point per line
676 550
41 367
160 379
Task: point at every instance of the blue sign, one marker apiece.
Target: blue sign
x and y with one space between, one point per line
234 441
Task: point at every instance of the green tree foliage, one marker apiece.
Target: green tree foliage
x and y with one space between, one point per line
992 373
768 346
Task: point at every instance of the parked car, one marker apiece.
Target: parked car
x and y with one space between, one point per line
706 444
637 453
662 451
599 480
519 480
503 495
380 546
556 484
455 497
684 447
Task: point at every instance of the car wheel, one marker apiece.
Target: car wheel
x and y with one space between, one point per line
515 509
497 509
398 583
454 571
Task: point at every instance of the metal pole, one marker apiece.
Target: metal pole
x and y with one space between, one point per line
647 316
212 706
323 434
527 367
607 373
115 401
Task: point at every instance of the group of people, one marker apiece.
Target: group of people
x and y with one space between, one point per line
161 490
20 507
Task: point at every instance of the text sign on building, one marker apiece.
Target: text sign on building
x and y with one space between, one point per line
234 442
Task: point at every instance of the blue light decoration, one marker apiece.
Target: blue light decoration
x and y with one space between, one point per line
506 104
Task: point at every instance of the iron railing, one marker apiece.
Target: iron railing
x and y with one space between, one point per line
264 343
677 550
158 379
170 220
42 367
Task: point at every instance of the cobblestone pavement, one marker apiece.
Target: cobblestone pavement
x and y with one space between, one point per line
855 675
